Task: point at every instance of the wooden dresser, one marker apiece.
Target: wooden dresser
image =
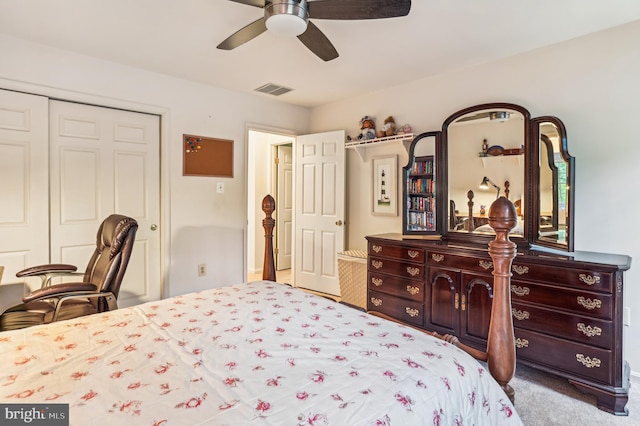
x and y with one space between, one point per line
567 308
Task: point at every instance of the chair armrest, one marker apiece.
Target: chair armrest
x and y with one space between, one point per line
57 268
57 290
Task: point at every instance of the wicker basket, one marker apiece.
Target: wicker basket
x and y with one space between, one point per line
352 272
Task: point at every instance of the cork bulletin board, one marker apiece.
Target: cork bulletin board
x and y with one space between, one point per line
205 156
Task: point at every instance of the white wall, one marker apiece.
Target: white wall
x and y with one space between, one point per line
590 83
199 225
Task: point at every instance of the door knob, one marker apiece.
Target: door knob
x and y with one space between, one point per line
154 227
339 223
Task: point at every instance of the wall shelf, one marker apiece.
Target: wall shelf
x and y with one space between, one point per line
361 145
496 159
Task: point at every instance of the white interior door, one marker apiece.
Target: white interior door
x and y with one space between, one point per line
24 182
320 210
106 161
284 211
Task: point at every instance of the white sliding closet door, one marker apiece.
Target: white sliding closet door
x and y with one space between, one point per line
106 161
24 180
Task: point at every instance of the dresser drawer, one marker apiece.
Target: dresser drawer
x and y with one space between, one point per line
585 303
579 329
396 286
401 309
586 361
397 267
473 264
397 252
566 277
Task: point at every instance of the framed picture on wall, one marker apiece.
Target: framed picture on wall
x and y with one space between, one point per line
384 184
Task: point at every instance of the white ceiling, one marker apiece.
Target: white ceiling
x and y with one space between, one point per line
179 38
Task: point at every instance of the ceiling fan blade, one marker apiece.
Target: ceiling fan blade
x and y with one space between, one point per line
256 3
318 43
358 9
242 36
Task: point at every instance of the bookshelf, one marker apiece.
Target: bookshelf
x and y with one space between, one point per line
420 196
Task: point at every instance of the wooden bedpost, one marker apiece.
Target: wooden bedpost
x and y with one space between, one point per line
501 351
471 226
268 223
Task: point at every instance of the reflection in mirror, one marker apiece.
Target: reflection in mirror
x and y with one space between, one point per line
485 160
554 185
420 182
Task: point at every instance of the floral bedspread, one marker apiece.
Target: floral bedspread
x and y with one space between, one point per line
259 353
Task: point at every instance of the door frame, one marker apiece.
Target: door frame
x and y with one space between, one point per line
251 231
276 185
163 113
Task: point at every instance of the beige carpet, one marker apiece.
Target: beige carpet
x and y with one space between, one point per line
543 399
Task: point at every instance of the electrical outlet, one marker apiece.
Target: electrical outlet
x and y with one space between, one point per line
626 316
220 187
202 269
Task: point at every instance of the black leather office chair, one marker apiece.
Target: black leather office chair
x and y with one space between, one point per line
96 292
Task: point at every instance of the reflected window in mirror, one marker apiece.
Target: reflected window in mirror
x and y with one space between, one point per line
554 187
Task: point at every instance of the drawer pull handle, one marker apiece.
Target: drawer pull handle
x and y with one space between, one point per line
589 279
520 315
376 264
522 343
520 291
413 290
589 304
520 270
412 312
588 330
464 302
376 281
486 264
457 301
413 271
377 249
376 302
588 361
413 253
437 257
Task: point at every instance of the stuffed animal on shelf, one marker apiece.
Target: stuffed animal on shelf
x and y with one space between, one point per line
403 130
368 127
389 127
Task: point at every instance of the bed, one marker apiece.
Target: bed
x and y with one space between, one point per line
250 353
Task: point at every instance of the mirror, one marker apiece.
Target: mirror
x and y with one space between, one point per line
420 177
486 159
554 189
484 152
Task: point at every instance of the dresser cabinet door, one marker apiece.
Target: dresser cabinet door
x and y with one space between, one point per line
475 308
443 300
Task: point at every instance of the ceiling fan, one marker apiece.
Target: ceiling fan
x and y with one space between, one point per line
291 17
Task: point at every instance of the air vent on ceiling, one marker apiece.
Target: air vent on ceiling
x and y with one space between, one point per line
273 89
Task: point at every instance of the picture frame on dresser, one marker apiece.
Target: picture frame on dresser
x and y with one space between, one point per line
384 185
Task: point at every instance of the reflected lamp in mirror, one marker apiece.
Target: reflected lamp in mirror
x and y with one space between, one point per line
485 185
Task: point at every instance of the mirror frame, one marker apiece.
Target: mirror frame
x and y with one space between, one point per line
467 237
531 139
564 152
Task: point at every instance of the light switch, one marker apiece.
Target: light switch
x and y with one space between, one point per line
220 187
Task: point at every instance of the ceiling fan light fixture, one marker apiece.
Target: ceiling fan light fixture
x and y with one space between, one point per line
286 17
499 115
